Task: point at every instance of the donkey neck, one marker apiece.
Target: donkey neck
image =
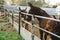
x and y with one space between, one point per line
45 14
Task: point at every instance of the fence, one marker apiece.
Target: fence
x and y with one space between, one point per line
12 17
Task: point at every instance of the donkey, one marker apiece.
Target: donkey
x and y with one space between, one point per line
24 11
44 23
50 25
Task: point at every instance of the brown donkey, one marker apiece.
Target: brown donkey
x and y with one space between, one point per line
49 25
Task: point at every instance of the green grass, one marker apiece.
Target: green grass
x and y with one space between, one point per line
10 35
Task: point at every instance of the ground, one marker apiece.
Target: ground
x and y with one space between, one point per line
7 32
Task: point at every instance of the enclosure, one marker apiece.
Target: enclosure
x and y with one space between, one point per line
29 20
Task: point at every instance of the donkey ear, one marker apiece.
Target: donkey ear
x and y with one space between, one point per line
19 8
30 4
25 8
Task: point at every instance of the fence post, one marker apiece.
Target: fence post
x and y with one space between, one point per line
32 30
19 22
12 19
4 12
8 14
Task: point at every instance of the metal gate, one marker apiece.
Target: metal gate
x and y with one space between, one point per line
16 20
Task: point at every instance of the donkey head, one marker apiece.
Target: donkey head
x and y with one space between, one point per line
24 10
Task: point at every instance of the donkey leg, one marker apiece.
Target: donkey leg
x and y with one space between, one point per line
45 36
41 34
54 38
26 26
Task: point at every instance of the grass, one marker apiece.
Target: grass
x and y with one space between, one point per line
10 35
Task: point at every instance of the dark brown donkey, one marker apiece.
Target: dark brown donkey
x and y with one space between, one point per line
49 25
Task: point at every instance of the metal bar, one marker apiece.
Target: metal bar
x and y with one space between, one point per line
47 31
32 30
42 17
12 20
47 18
8 16
19 22
26 22
42 29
